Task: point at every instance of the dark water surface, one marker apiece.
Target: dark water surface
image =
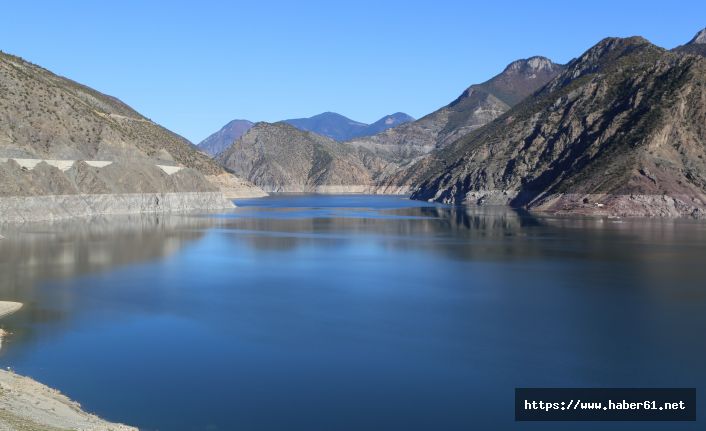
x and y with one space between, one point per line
352 313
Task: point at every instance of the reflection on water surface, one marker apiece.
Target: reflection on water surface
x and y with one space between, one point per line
350 312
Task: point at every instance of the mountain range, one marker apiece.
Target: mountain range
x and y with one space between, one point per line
282 158
340 128
478 105
617 131
329 124
252 155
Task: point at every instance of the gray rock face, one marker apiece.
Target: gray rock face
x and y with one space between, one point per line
476 107
224 138
620 131
279 157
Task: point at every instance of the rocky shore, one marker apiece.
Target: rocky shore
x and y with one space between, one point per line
27 405
592 204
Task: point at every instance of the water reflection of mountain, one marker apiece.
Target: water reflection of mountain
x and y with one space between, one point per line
490 233
463 233
406 223
34 258
33 253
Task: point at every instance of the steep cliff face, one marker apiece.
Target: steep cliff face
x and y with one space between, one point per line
621 131
475 107
281 158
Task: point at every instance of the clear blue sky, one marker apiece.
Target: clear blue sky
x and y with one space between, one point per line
193 66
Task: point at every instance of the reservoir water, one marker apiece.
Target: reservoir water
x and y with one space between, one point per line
352 313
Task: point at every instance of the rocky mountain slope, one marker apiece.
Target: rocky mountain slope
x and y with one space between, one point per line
329 124
386 122
697 45
223 138
59 138
281 158
45 116
369 162
475 107
340 128
621 131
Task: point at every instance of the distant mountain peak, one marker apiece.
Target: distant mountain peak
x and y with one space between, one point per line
387 122
615 44
342 128
396 118
699 39
334 116
532 64
605 53
223 138
518 80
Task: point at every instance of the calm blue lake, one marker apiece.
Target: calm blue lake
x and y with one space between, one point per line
352 313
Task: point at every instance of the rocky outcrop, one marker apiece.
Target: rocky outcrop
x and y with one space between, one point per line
279 157
619 132
478 105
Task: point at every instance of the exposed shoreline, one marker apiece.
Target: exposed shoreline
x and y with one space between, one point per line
9 307
655 206
27 405
58 207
